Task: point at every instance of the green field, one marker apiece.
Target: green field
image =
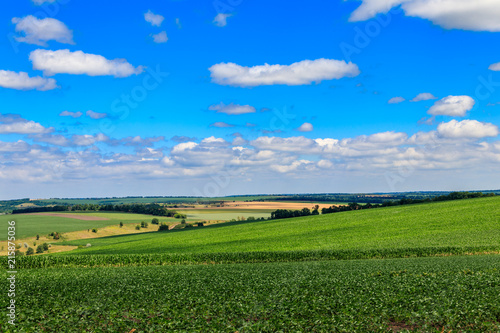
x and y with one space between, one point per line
451 294
224 214
287 275
28 225
460 223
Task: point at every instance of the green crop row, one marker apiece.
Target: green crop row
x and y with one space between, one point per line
458 294
46 261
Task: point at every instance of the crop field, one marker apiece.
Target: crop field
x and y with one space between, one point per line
457 294
29 225
461 223
224 214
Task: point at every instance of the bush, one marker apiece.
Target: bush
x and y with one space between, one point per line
37 237
183 221
18 253
26 245
155 221
56 235
39 249
88 245
121 224
137 227
94 230
144 224
30 251
45 246
200 224
163 227
18 246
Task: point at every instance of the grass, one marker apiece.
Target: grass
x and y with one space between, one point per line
461 223
458 294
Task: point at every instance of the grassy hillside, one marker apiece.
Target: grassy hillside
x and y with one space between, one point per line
473 222
451 294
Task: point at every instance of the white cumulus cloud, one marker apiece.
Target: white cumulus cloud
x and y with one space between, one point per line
232 109
39 31
299 73
477 15
467 129
67 62
495 67
95 115
423 97
154 19
71 114
305 127
454 106
396 100
160 37
221 19
22 81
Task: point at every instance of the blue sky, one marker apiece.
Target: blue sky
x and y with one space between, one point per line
176 97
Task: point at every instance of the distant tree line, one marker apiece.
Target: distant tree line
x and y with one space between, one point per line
148 209
59 208
287 213
407 201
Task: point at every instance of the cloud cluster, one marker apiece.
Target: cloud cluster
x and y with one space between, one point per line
423 97
39 31
299 73
477 15
220 19
15 124
53 157
154 19
22 81
78 62
232 109
454 106
160 37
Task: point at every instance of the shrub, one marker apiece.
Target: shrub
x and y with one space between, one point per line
183 221
121 224
18 253
88 245
37 237
30 251
45 246
26 245
200 224
163 227
137 227
18 246
56 235
94 230
155 221
39 249
144 224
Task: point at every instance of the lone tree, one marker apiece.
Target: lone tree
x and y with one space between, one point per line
155 221
30 251
121 224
